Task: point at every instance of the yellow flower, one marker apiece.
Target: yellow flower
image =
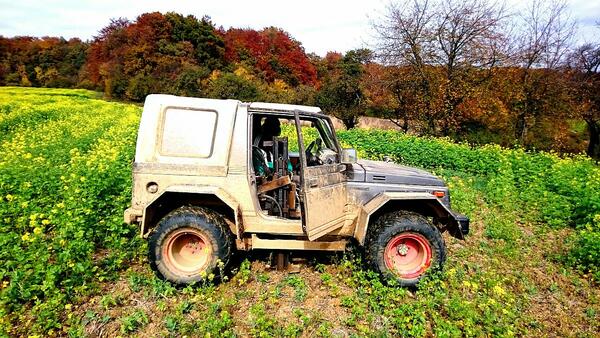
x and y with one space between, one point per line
46 222
68 307
9 197
25 237
498 290
5 284
37 230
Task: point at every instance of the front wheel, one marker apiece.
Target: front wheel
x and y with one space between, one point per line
189 245
405 246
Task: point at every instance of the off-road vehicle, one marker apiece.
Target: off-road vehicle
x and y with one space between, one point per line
214 176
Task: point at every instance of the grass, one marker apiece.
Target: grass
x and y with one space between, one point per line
69 266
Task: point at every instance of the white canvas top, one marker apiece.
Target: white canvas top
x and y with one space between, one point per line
195 131
283 107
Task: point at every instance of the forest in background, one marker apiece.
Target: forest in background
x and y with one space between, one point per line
473 71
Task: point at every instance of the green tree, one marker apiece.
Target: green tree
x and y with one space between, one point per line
231 86
209 47
341 94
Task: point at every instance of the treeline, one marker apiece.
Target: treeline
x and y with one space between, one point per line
444 68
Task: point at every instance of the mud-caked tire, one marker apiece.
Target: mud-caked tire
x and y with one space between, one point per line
190 244
404 246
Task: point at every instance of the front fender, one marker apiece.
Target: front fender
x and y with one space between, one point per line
458 225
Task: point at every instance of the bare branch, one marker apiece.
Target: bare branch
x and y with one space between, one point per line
545 35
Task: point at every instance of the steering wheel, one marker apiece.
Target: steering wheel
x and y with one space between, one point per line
311 157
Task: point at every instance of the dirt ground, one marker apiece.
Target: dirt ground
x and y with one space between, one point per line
559 302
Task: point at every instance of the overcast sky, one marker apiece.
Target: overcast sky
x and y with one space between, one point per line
321 26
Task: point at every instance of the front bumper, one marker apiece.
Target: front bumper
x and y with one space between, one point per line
461 226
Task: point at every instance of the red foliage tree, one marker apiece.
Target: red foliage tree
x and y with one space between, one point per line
272 52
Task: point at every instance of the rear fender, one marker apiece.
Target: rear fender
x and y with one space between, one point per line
148 215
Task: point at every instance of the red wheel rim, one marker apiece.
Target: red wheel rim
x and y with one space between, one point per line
408 255
187 251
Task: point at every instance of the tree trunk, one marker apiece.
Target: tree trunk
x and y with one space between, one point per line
400 120
405 125
350 122
430 125
521 127
593 150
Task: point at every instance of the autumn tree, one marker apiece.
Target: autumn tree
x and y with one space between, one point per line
542 40
403 37
388 93
45 62
341 94
585 61
155 54
442 43
272 52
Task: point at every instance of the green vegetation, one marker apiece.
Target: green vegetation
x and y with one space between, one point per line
542 187
69 266
64 170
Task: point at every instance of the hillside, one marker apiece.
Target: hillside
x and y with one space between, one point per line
69 266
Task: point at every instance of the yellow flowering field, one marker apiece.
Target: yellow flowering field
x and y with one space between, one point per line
64 180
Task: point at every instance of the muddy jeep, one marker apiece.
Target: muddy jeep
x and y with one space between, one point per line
214 176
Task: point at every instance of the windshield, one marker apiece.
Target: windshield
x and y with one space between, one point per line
326 134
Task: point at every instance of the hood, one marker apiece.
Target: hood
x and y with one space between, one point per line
391 173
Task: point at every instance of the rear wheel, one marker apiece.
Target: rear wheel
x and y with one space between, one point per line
189 245
405 246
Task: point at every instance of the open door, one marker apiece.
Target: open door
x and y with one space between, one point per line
323 183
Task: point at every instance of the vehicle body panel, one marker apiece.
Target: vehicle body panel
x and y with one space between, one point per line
339 198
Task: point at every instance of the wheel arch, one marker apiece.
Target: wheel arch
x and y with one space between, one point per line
177 196
421 203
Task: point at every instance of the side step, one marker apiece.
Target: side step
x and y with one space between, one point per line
292 244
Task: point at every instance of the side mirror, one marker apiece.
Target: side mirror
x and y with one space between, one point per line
349 155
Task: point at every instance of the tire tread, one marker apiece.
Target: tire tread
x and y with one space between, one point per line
387 226
208 219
